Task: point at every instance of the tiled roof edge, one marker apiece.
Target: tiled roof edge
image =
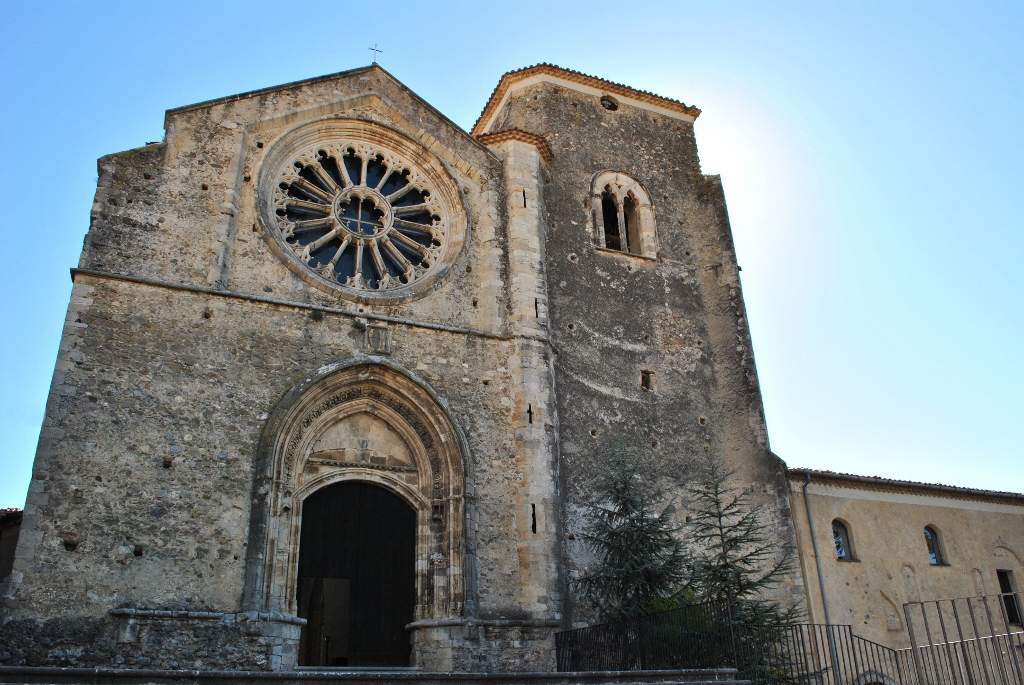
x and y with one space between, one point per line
10 513
510 77
890 483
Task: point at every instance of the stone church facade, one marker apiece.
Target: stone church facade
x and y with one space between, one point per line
325 307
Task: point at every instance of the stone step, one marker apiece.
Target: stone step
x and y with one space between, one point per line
35 675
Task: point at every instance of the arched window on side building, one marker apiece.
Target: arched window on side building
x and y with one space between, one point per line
931 538
841 536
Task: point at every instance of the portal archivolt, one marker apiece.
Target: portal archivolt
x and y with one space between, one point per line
369 422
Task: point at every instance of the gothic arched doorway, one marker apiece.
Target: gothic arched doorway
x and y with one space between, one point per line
357 578
365 421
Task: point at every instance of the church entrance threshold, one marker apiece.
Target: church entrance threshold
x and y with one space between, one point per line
356 586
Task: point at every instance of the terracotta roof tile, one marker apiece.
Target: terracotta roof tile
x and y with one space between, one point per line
890 483
10 513
510 77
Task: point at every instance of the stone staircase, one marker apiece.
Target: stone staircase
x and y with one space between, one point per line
103 676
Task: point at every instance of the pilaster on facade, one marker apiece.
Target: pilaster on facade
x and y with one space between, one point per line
536 499
224 233
533 400
491 291
528 293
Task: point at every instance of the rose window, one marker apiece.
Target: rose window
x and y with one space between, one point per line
362 218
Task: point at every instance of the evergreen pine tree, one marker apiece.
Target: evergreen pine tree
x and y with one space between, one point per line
735 558
640 557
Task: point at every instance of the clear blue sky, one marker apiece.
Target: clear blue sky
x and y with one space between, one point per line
872 156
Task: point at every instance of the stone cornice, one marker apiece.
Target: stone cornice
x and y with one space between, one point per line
280 302
641 97
521 136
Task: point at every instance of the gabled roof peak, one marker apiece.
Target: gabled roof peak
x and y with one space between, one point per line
271 89
579 81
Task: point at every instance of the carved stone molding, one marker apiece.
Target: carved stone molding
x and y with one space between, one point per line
314 439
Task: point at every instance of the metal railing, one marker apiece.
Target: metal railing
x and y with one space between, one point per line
968 641
703 636
815 653
691 637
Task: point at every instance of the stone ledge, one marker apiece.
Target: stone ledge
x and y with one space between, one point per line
270 616
521 136
103 676
486 623
249 297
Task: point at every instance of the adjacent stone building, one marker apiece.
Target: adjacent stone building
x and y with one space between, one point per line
878 544
336 372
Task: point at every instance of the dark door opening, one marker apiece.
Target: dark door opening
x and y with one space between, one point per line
357 582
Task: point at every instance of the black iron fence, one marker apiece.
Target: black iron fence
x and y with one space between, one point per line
968 641
819 654
697 636
703 636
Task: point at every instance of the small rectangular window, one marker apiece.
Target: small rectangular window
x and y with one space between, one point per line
647 380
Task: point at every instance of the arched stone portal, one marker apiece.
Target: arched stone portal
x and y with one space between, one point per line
364 420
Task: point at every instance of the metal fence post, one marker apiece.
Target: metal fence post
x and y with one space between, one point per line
732 631
918 666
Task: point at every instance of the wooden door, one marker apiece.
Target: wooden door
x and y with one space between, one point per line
357 584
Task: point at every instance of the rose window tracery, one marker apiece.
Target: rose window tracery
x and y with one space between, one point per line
360 217
370 216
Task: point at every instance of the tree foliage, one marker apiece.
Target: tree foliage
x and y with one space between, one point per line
640 557
644 566
735 559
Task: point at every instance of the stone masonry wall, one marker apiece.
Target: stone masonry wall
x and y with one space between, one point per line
169 368
614 314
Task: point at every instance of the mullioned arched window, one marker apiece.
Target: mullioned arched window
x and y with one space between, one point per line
623 215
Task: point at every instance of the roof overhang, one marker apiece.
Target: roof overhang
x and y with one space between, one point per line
549 73
876 483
